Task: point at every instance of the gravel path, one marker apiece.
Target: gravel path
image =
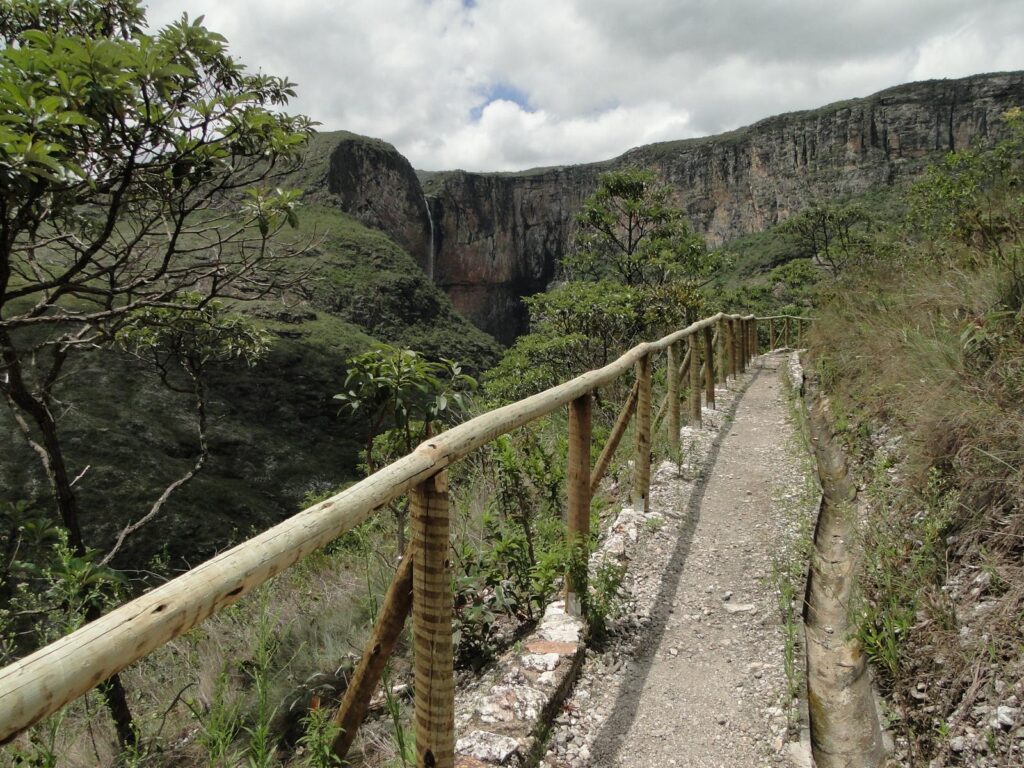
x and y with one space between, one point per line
694 674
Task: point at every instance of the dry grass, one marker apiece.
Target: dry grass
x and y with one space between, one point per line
926 368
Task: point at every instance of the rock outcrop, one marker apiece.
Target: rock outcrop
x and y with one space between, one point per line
497 237
374 183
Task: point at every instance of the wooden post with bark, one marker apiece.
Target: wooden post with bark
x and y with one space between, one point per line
788 336
578 487
730 347
390 622
642 460
672 401
695 387
741 344
771 334
720 364
709 367
432 625
659 416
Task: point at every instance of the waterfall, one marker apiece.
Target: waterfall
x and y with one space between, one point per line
430 259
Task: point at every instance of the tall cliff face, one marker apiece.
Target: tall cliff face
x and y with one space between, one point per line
499 237
369 180
749 179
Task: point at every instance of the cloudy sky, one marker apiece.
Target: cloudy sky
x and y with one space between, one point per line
512 84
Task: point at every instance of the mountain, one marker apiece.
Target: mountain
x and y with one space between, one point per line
492 238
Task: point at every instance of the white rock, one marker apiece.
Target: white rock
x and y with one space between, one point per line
486 746
740 608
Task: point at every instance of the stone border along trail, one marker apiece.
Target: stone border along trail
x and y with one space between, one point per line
693 674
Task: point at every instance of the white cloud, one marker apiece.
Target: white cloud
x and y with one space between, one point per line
597 76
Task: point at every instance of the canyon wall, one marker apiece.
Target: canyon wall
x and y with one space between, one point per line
493 238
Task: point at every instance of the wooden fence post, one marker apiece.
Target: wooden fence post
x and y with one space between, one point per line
709 367
755 340
432 625
578 486
771 334
672 374
741 345
695 387
730 347
788 337
720 365
642 459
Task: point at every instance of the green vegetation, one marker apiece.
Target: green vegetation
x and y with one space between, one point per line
929 342
273 434
636 269
144 267
133 173
835 236
399 399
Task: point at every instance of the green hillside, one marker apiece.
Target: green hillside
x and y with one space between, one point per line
275 435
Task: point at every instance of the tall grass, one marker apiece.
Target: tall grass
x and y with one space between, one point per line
925 367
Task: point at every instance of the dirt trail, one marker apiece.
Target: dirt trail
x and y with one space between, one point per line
704 685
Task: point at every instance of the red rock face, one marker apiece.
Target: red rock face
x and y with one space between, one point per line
499 237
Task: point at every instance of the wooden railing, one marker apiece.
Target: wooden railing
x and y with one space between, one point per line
55 675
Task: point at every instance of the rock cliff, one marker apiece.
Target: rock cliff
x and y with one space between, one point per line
494 238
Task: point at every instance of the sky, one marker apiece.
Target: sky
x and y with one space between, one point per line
514 84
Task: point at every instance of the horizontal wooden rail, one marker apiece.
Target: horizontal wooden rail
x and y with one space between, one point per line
41 683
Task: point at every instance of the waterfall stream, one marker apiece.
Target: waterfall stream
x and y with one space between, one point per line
430 258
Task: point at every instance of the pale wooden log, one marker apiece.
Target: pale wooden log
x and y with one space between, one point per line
618 430
737 337
730 346
721 367
386 631
709 367
642 459
771 333
742 339
672 397
695 412
578 487
432 600
789 341
44 681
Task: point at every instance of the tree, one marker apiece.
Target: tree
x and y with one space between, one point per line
127 171
578 326
630 229
400 398
834 235
132 173
636 270
973 198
